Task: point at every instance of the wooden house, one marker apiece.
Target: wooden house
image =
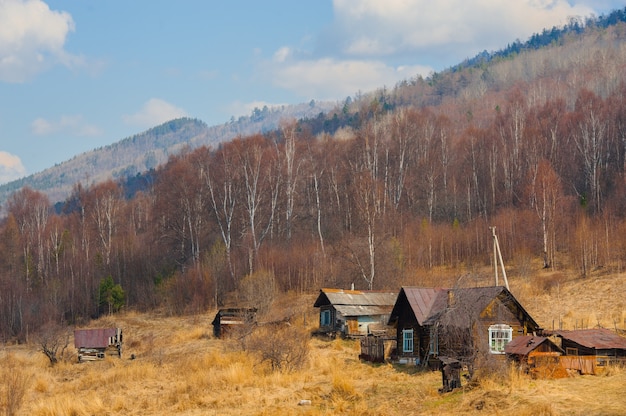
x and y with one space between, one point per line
461 323
94 344
229 318
354 312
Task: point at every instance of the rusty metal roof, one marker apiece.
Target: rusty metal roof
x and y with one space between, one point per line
93 338
525 344
458 306
337 297
423 300
598 338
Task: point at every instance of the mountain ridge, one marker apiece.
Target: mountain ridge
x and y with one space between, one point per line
149 149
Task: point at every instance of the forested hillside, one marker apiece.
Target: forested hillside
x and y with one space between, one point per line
380 193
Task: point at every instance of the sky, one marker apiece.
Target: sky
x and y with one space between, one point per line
79 75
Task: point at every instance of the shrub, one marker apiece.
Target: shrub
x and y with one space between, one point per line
284 347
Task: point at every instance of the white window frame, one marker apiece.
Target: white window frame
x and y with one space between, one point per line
407 340
325 318
499 336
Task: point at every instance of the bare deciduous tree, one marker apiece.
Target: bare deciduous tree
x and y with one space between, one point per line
53 341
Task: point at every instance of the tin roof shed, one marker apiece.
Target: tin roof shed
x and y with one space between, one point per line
596 339
94 338
525 344
357 302
354 312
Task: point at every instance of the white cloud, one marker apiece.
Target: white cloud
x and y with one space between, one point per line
154 112
461 27
73 125
374 43
11 167
282 54
32 38
328 79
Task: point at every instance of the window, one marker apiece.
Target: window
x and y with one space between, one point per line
325 318
499 336
407 340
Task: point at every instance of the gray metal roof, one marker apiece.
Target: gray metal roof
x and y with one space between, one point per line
337 297
359 310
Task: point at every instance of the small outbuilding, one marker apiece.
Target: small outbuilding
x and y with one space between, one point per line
589 351
229 318
538 355
596 341
94 344
354 312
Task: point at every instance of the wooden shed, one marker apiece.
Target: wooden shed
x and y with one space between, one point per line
94 344
589 351
229 318
538 355
354 312
596 341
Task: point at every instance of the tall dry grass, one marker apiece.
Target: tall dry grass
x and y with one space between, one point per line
16 380
181 369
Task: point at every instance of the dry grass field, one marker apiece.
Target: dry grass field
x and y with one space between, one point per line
181 369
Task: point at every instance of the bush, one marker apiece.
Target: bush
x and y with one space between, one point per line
285 347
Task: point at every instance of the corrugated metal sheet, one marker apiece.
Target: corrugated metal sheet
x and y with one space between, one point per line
338 297
598 338
422 301
360 298
525 344
93 338
360 310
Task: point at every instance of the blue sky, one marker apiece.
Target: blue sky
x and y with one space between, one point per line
78 75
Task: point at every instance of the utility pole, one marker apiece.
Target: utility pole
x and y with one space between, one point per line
497 256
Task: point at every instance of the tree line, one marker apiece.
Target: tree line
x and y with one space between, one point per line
379 202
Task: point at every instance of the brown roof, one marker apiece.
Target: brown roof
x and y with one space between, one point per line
459 306
93 338
422 301
598 338
525 344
